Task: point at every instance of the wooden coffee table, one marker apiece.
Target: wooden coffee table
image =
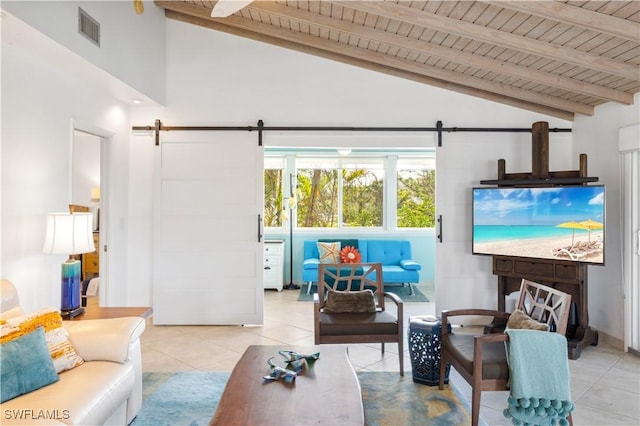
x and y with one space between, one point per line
326 394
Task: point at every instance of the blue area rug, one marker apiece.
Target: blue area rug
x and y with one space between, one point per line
186 398
190 399
402 291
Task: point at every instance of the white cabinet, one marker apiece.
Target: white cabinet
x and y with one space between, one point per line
273 276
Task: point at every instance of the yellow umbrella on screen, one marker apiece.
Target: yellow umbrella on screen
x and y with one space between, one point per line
573 225
590 225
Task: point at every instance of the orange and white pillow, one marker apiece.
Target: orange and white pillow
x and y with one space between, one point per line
350 254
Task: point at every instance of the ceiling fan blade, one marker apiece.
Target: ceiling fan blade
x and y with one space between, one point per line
224 8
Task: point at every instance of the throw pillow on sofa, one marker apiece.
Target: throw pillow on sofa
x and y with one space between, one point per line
350 254
329 252
62 352
25 365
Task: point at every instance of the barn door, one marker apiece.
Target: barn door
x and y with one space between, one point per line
207 243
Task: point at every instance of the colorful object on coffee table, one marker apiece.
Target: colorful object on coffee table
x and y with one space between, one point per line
296 361
350 254
278 373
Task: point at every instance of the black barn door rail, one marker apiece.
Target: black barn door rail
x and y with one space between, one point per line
260 127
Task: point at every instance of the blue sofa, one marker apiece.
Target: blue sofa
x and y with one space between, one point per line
394 255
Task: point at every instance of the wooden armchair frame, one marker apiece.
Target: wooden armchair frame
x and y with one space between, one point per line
341 328
486 368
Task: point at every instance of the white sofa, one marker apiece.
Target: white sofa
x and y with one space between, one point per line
105 389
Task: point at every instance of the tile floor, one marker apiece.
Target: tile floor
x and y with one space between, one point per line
605 382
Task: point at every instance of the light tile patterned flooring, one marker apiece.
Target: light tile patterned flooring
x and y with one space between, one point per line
605 382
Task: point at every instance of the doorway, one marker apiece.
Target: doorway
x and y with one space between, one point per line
86 196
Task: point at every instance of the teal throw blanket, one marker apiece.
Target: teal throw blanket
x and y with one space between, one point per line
539 378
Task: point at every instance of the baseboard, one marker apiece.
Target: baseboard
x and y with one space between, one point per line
609 340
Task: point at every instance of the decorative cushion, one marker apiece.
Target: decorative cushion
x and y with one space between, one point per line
62 352
518 319
343 241
25 365
350 302
329 252
350 254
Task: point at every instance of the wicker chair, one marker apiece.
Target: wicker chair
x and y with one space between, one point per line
375 326
482 360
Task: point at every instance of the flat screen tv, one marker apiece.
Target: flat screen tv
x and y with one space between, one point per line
564 223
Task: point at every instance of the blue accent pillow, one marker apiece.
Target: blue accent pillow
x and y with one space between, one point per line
25 365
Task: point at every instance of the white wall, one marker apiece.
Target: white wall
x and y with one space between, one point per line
131 46
42 103
597 137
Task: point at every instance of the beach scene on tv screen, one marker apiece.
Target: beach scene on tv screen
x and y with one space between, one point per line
564 223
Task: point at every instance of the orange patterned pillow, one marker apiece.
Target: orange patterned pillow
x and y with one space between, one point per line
350 254
62 352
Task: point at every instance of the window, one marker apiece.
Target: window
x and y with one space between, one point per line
273 196
363 194
416 186
336 192
318 203
373 190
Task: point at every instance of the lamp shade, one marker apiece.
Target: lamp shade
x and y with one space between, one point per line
69 233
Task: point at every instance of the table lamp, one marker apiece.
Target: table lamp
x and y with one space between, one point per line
69 233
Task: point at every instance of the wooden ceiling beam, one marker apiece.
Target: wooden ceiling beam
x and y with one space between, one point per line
250 34
577 16
448 54
493 36
385 60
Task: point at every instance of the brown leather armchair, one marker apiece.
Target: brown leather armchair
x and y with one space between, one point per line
356 318
482 360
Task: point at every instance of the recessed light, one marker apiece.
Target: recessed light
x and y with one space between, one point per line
136 101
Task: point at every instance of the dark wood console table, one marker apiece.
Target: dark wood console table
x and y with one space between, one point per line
564 275
96 312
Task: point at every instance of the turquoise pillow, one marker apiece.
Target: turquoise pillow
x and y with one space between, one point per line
25 365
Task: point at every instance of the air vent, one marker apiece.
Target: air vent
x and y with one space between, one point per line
88 27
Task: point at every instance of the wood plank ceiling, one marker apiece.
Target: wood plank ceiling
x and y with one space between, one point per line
553 57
